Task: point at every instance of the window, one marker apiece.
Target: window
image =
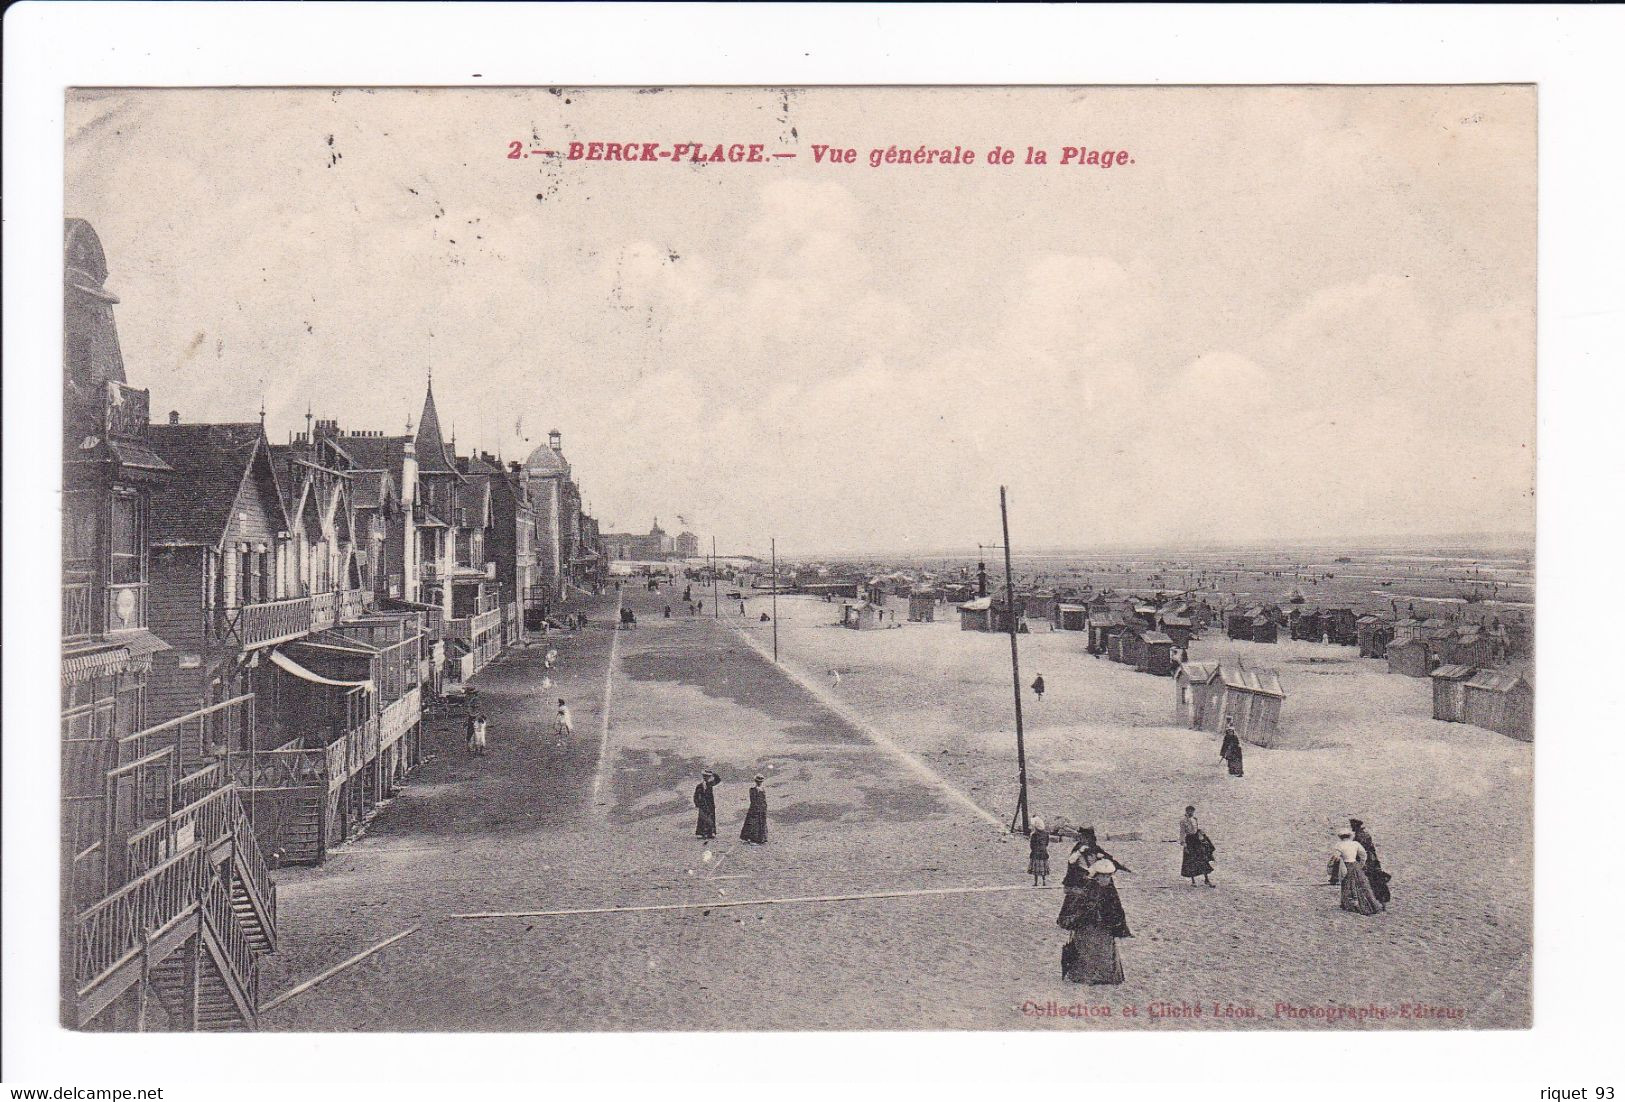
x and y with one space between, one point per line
79 531
128 539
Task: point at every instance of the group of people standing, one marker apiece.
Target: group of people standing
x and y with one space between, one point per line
1354 868
1092 909
754 832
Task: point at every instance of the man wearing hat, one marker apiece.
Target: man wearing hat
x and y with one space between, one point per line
705 802
755 828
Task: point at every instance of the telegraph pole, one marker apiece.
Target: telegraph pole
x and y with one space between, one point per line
1015 662
716 613
774 544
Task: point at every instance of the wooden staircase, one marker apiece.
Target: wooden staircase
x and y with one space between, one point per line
252 891
219 1010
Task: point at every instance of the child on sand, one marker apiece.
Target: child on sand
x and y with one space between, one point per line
1038 859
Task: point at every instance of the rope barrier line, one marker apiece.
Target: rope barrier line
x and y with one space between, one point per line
863 726
300 989
846 897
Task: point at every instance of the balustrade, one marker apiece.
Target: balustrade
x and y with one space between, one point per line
116 928
258 625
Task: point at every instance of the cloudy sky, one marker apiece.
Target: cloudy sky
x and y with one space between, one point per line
1298 314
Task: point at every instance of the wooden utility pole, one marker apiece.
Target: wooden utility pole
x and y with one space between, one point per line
716 611
1015 662
774 544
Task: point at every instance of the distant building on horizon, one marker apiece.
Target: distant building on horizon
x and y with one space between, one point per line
654 546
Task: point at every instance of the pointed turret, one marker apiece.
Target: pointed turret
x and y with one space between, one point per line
431 446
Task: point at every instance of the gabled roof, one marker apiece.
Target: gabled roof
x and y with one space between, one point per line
1155 637
377 453
1199 672
211 464
980 604
1252 679
1496 681
373 489
1452 673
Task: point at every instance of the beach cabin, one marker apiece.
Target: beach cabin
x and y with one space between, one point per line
976 615
1306 624
864 617
989 614
1238 624
1450 693
1191 693
1251 698
1151 652
1117 644
1264 628
1410 656
922 607
1501 701
1072 617
1468 645
1209 694
1341 626
1103 627
1178 628
1372 635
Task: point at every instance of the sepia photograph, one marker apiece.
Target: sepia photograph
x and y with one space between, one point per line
806 558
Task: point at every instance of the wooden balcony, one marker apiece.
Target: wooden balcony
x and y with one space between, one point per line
259 625
460 628
399 718
487 622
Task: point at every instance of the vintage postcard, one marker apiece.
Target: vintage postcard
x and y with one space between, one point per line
798 558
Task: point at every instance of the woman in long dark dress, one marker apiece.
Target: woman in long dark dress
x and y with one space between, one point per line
1230 749
705 803
1373 868
755 828
1097 924
1197 857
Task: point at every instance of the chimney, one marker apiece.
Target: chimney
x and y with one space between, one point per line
174 417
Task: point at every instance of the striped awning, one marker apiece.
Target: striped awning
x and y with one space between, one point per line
89 663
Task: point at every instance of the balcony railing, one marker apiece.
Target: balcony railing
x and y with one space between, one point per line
284 768
259 625
78 609
116 928
352 604
460 628
324 610
399 717
206 822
